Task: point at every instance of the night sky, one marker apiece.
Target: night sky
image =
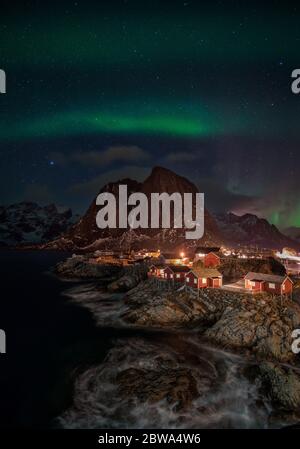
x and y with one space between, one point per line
99 91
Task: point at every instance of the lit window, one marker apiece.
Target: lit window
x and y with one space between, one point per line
178 275
283 287
171 276
204 280
271 285
195 281
188 279
252 283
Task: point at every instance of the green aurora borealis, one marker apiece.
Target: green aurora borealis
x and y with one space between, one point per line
213 82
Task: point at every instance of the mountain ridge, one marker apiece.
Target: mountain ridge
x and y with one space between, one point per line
249 229
27 222
86 235
227 228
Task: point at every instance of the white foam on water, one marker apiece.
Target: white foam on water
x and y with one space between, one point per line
226 397
106 308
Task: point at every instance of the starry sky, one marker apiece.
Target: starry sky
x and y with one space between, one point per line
97 91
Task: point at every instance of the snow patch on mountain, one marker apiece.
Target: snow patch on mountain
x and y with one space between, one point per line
27 222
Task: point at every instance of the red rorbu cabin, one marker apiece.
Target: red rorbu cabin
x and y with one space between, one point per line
271 283
175 273
156 271
212 260
204 278
202 251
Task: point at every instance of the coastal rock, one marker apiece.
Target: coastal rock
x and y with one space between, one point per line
262 324
283 384
170 380
149 305
236 328
121 278
131 278
176 385
79 267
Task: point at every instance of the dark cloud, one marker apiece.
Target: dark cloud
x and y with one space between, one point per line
108 156
39 193
180 157
91 187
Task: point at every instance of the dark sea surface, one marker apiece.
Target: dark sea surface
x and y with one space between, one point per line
47 338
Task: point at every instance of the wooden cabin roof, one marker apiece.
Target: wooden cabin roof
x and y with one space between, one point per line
179 268
202 272
207 249
262 277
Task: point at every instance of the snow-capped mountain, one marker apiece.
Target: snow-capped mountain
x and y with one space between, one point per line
27 222
86 235
248 229
293 232
54 228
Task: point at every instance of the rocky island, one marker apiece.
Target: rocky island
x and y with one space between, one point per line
257 328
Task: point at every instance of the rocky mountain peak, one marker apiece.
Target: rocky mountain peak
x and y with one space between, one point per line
164 180
27 222
86 235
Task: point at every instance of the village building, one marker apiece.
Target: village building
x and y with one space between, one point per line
107 258
153 253
290 260
213 259
271 283
171 258
202 251
156 271
204 278
99 253
175 273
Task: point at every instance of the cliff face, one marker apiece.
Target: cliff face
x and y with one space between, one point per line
86 235
50 225
248 229
235 269
27 222
86 232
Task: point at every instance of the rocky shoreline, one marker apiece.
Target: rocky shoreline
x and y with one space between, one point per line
258 327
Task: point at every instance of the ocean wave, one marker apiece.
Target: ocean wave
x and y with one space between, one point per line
106 308
172 381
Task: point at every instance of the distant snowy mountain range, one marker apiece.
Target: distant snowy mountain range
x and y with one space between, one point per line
248 229
87 236
55 228
27 222
293 232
